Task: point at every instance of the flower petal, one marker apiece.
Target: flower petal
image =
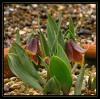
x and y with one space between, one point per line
77 47
75 52
33 46
78 57
32 56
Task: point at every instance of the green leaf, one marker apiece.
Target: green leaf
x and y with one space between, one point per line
52 30
93 86
71 26
61 40
61 53
18 40
59 23
44 45
26 62
79 81
16 66
52 24
68 34
24 58
60 34
60 70
52 87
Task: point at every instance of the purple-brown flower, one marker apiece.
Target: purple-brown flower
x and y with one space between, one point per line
32 49
74 52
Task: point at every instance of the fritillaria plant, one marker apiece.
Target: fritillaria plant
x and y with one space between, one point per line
56 56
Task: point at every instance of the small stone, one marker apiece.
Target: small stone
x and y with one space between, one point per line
93 6
80 15
13 78
86 78
6 80
22 32
15 86
89 41
10 83
6 88
34 5
11 9
61 7
74 77
76 72
71 93
74 83
22 89
23 94
84 32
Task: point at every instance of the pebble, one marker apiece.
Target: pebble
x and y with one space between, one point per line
84 32
93 6
60 8
11 9
22 88
22 32
6 80
6 88
34 5
15 86
10 83
76 72
74 77
86 78
13 78
73 83
71 93
44 73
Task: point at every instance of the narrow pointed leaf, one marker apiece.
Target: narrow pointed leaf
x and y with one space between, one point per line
52 87
27 64
62 73
93 86
71 26
51 31
79 81
44 45
68 34
52 24
61 53
50 35
60 35
17 68
61 40
59 23
18 39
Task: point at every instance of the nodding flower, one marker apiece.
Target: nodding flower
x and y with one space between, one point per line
74 52
33 45
32 49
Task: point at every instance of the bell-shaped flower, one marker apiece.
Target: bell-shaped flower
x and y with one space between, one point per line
74 52
32 49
